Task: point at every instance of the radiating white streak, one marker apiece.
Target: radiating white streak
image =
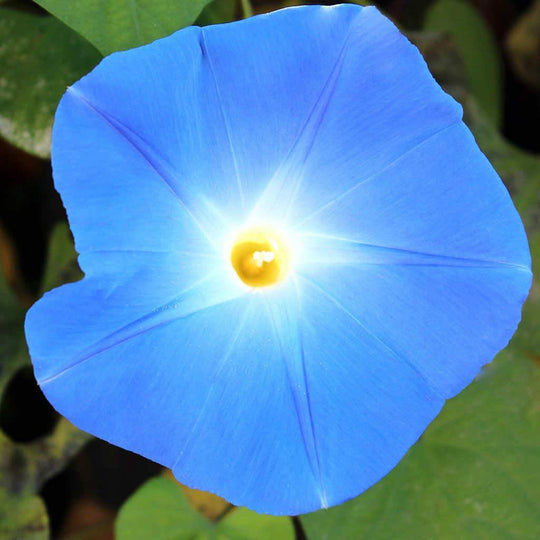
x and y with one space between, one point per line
210 291
281 191
225 120
220 225
163 169
284 312
344 194
191 254
323 249
220 365
312 283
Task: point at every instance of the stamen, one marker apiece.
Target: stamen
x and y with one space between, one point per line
260 257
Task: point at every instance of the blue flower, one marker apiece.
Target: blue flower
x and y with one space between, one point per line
294 253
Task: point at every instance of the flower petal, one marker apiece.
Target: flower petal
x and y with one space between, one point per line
110 189
430 254
445 320
359 405
413 265
110 352
203 390
76 321
219 125
268 95
441 198
347 419
379 102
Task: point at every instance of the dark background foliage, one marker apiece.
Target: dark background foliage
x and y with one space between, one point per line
477 477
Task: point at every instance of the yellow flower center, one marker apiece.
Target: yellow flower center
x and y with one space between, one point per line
260 257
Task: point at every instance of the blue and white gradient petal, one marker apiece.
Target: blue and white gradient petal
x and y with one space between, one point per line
410 262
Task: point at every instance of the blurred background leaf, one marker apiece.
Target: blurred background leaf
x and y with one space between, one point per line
209 505
218 11
40 57
25 467
160 510
23 518
114 25
61 265
477 48
11 317
523 45
247 9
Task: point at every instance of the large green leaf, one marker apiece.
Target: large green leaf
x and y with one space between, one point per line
114 25
40 57
159 510
476 46
474 475
218 11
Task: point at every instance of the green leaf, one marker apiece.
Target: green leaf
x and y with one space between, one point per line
244 524
523 46
61 268
11 321
40 57
217 12
474 475
61 264
114 25
23 518
159 510
477 48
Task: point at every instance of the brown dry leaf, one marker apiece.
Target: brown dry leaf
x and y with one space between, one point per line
523 46
209 505
88 520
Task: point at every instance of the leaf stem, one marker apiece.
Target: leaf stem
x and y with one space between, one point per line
247 10
298 529
227 510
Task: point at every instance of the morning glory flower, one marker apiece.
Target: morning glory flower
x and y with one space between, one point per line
294 253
